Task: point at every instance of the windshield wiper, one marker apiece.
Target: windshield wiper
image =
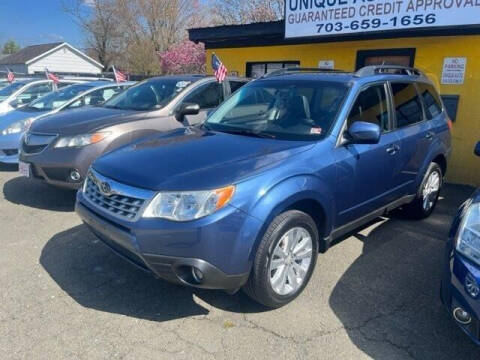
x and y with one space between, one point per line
247 132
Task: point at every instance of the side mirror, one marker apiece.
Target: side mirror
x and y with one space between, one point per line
187 109
364 133
477 149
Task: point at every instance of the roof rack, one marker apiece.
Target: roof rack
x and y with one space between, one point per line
299 70
388 69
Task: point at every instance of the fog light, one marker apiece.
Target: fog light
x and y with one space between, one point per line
75 175
197 275
462 316
471 286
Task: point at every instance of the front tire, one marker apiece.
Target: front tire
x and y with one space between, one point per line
285 260
427 197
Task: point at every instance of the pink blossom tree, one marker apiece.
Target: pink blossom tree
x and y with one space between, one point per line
185 57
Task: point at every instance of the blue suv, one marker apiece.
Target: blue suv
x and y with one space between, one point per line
286 165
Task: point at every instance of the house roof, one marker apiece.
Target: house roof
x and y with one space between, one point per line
28 53
32 53
273 33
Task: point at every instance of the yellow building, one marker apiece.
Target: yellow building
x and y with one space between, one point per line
450 55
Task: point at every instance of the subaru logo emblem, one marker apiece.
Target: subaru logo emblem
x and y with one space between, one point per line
105 189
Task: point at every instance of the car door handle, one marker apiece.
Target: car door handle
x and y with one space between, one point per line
429 135
393 149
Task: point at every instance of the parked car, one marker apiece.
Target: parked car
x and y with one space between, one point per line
14 124
59 149
21 92
460 283
286 165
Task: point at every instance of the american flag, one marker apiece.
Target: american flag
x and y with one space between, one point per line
119 76
219 69
10 76
51 76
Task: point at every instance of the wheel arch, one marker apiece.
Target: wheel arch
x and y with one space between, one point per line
307 194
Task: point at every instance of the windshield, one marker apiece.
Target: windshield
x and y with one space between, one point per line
148 95
9 90
56 99
287 110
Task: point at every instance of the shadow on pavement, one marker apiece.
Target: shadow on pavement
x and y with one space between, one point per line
35 194
390 296
97 278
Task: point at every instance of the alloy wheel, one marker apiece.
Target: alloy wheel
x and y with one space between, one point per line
291 261
430 190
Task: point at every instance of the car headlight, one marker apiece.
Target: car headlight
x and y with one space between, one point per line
468 241
81 140
18 127
188 205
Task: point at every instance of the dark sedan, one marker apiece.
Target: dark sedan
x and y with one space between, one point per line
461 279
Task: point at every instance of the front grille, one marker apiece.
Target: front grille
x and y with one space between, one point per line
36 143
9 152
120 200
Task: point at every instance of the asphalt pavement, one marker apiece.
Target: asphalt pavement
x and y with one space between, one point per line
64 295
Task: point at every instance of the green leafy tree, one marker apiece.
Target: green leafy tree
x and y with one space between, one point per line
10 47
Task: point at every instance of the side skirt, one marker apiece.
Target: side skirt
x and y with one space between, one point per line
347 228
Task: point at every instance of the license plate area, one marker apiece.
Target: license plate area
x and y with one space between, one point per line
24 169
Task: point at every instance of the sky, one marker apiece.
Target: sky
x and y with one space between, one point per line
29 22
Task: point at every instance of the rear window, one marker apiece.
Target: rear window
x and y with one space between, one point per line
431 100
408 107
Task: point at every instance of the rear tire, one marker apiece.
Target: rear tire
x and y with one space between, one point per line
285 260
427 196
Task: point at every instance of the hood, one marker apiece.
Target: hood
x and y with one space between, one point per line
81 121
17 115
193 159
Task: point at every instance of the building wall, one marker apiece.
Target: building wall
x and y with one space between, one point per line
464 167
64 60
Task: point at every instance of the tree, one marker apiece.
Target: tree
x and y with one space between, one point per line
244 12
161 22
98 19
10 47
186 57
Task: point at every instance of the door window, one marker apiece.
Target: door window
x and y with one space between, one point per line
371 106
207 96
431 100
408 108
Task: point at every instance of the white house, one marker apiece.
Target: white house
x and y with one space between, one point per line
59 58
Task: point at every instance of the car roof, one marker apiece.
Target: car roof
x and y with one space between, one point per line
101 83
313 76
365 75
192 77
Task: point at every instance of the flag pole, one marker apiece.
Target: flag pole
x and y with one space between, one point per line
114 73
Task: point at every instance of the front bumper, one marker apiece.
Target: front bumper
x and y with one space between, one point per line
454 294
218 246
9 148
54 165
